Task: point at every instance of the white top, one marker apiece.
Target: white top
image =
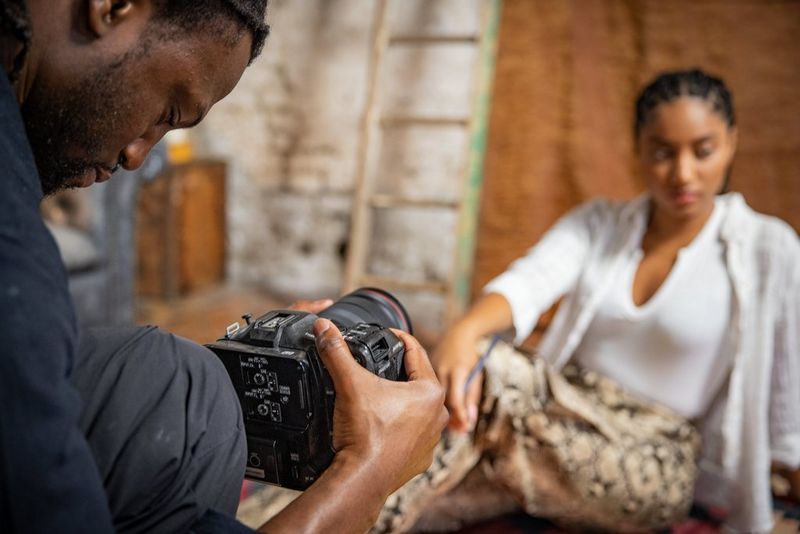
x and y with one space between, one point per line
672 348
756 418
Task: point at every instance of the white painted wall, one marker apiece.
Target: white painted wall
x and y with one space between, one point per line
290 132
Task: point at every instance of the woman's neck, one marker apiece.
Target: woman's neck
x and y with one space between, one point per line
663 227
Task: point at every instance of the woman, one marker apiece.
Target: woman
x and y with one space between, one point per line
680 311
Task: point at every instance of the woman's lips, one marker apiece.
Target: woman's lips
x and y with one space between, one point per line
684 198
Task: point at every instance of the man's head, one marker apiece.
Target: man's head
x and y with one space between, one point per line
104 80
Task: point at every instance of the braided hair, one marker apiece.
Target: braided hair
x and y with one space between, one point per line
672 85
190 15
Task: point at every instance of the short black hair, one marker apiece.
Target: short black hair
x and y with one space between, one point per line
190 15
14 21
675 84
204 15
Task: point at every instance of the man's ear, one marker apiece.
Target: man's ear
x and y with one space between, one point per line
105 15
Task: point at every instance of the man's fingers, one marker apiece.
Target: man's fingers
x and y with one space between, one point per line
416 360
334 352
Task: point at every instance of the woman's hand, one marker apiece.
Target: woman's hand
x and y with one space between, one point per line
792 477
454 359
457 355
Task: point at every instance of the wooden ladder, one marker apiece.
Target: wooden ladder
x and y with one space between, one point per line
456 288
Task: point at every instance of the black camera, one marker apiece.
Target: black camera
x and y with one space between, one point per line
286 393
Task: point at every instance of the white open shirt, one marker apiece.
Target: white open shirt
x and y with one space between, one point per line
672 349
756 418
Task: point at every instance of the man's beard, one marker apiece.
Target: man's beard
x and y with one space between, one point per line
68 127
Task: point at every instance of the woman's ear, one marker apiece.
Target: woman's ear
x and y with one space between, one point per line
733 139
105 15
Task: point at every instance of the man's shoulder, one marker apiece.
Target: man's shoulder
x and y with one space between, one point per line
33 277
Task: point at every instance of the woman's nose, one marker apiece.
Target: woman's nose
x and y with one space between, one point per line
683 169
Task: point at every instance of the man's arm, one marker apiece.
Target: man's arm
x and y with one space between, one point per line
49 480
384 434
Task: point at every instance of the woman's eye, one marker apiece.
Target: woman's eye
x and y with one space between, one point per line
662 154
704 151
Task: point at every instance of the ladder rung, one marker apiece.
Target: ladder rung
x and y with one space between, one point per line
396 283
410 120
391 201
434 39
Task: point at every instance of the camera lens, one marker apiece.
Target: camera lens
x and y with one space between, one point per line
368 305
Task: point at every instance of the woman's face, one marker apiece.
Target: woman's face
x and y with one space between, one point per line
685 150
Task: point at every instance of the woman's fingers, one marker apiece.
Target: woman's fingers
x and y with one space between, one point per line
455 400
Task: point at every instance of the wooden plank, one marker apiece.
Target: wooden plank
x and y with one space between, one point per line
397 121
456 289
460 280
391 201
368 146
433 39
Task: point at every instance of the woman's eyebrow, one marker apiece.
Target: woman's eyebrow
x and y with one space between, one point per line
656 139
704 139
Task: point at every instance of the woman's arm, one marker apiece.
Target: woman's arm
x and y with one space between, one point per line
515 300
456 355
552 267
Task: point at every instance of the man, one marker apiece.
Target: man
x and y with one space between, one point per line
133 429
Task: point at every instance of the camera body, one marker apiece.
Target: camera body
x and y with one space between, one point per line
286 393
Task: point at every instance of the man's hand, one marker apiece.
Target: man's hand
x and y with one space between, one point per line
392 426
384 433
